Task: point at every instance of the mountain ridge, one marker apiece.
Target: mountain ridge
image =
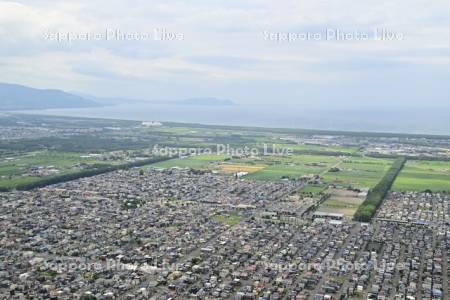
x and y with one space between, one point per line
21 97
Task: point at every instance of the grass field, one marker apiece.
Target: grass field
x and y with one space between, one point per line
19 164
341 201
231 219
15 181
16 170
363 172
319 148
312 189
424 175
195 162
265 168
358 172
294 166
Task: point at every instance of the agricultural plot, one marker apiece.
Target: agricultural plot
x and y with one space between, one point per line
319 148
17 180
32 166
236 168
294 166
357 172
342 201
419 175
312 189
18 164
194 162
363 172
228 219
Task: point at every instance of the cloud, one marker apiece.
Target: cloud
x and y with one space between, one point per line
224 50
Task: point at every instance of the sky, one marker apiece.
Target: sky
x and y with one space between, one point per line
300 53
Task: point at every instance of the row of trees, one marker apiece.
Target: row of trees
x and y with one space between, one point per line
376 195
426 158
87 173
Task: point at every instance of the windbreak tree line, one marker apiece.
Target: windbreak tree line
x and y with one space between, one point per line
376 195
100 169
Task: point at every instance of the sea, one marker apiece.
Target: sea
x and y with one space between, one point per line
393 120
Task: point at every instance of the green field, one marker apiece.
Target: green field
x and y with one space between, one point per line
294 166
312 189
15 181
424 175
194 162
319 148
363 172
341 201
228 219
20 169
17 170
19 164
273 168
358 172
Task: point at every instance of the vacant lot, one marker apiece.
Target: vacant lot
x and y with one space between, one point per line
419 175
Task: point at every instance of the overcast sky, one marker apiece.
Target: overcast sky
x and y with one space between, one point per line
229 49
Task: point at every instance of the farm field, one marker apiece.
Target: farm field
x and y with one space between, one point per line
294 166
312 189
195 162
359 172
25 168
17 164
264 168
319 148
342 201
420 175
235 168
356 172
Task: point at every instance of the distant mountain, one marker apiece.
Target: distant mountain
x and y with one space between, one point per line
199 101
19 97
106 101
205 102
